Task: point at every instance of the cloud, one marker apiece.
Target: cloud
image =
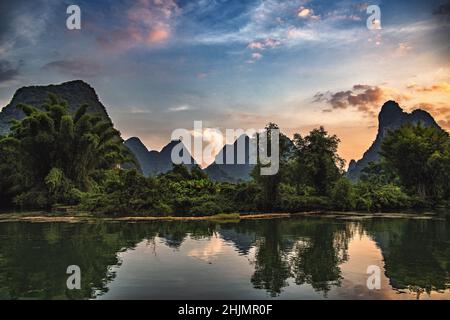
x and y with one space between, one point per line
263 44
443 87
294 33
202 75
7 71
152 19
23 21
445 123
304 12
138 110
403 49
365 98
285 25
268 24
339 15
255 45
307 13
443 9
213 140
76 67
361 6
255 57
147 23
183 107
158 34
439 110
368 99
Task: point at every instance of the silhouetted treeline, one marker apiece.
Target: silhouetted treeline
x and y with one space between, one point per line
52 158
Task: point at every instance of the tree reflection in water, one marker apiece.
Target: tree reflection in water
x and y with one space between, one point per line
416 253
304 251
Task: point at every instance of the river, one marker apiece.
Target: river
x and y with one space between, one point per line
289 258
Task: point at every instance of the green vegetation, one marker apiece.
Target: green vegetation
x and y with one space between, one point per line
52 158
420 157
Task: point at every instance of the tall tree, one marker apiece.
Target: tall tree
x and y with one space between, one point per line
270 183
420 156
54 151
316 162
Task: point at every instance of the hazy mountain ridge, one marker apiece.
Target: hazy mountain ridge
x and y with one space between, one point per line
153 162
391 117
220 171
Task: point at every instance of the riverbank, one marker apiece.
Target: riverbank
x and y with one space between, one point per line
87 217
41 216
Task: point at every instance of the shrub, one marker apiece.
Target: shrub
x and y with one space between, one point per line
384 197
33 199
294 203
342 195
206 208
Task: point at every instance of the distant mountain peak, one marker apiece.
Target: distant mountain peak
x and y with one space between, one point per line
155 162
134 139
220 171
79 85
76 82
390 113
391 117
136 143
391 106
423 115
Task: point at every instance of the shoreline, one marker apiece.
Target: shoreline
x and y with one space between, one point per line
83 217
80 217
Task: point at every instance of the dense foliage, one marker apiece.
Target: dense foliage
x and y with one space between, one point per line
54 158
420 156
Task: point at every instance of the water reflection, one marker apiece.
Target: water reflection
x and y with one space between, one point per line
281 258
416 253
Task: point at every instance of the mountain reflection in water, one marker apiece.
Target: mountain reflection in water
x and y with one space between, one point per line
296 258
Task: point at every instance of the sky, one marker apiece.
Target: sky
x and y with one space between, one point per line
159 65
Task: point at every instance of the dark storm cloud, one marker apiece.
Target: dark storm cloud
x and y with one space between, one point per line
9 11
443 9
23 21
363 97
7 71
77 67
360 95
5 9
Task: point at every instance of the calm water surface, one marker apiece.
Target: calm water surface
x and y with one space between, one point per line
296 258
